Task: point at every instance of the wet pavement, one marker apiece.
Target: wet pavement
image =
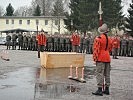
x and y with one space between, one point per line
22 78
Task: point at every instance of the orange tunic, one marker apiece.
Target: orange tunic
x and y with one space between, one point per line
41 39
102 48
75 39
116 43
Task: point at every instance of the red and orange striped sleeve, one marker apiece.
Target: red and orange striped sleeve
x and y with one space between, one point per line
96 49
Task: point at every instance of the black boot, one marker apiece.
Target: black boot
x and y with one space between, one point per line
113 57
106 91
98 92
116 57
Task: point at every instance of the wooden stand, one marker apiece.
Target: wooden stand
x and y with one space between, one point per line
61 59
78 79
82 80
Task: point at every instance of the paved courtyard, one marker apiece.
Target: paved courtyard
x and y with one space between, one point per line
21 78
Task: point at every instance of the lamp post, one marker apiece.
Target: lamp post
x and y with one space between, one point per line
37 29
59 25
100 12
38 50
37 23
58 18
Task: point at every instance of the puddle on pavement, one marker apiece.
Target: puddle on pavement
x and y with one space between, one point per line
34 83
54 83
2 76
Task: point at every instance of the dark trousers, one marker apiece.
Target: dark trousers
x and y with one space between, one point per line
13 45
115 52
8 43
20 44
75 48
103 71
41 48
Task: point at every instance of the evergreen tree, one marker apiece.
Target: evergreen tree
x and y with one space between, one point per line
129 19
88 15
58 9
84 14
9 10
112 12
73 16
37 11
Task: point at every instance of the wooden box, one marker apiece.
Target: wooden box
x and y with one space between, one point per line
61 59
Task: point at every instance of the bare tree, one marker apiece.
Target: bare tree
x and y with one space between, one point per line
24 11
21 11
30 11
46 6
1 11
58 8
49 6
66 5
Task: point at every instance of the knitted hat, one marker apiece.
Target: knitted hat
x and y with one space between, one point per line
103 29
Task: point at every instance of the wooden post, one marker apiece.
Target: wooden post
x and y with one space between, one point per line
76 72
82 73
70 72
82 78
38 49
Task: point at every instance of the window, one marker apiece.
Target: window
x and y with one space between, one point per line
56 22
7 21
37 22
28 22
20 21
46 22
12 21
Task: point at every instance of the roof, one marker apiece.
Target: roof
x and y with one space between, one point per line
16 30
3 17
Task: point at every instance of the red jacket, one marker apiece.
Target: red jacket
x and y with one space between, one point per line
75 39
41 39
115 43
101 53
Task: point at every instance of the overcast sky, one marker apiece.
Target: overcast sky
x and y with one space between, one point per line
17 3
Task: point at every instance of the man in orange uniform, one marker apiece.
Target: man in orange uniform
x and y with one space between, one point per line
75 39
41 37
101 55
115 46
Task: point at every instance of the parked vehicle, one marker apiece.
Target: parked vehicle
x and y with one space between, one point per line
2 40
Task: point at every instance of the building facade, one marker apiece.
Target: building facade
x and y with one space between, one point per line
49 24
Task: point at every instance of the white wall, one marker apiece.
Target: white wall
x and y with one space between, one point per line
51 27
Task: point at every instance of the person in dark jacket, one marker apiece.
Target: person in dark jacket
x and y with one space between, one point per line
20 41
34 42
130 47
29 42
8 41
124 44
14 41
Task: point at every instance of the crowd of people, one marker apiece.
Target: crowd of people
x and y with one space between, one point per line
52 43
122 46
